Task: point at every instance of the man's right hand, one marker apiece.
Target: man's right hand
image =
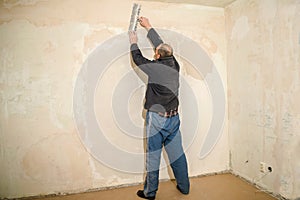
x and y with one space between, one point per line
144 22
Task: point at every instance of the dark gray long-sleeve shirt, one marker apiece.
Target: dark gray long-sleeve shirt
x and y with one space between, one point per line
163 77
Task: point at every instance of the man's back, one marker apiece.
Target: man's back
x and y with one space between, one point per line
163 77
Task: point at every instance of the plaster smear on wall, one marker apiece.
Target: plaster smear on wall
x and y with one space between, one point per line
12 3
240 28
43 46
263 79
56 166
34 87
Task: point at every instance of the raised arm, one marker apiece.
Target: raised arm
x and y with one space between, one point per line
143 63
152 34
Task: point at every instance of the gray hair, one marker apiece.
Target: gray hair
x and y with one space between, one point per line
164 50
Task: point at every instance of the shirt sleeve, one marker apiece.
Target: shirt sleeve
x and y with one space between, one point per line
154 38
143 63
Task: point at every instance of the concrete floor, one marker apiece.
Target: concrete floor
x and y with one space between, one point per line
224 186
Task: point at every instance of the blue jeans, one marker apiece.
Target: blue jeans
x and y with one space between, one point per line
165 132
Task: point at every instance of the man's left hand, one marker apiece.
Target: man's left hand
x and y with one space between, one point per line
133 37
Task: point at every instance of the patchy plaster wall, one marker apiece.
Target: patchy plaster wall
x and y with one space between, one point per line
264 92
43 45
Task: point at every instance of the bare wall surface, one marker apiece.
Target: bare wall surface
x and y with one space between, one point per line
264 92
44 45
213 3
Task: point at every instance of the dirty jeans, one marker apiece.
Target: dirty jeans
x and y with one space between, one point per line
165 132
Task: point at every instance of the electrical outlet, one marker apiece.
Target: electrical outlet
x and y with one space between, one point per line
262 167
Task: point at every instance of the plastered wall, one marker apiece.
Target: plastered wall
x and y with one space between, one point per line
43 46
264 92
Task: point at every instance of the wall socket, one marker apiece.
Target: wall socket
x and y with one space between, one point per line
263 167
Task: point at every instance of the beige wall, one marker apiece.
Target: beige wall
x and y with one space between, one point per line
264 92
45 43
43 47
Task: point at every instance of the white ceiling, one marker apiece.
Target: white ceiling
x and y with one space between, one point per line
214 3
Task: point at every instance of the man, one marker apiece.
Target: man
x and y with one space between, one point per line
162 119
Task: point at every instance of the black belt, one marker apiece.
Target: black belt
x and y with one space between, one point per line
169 114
